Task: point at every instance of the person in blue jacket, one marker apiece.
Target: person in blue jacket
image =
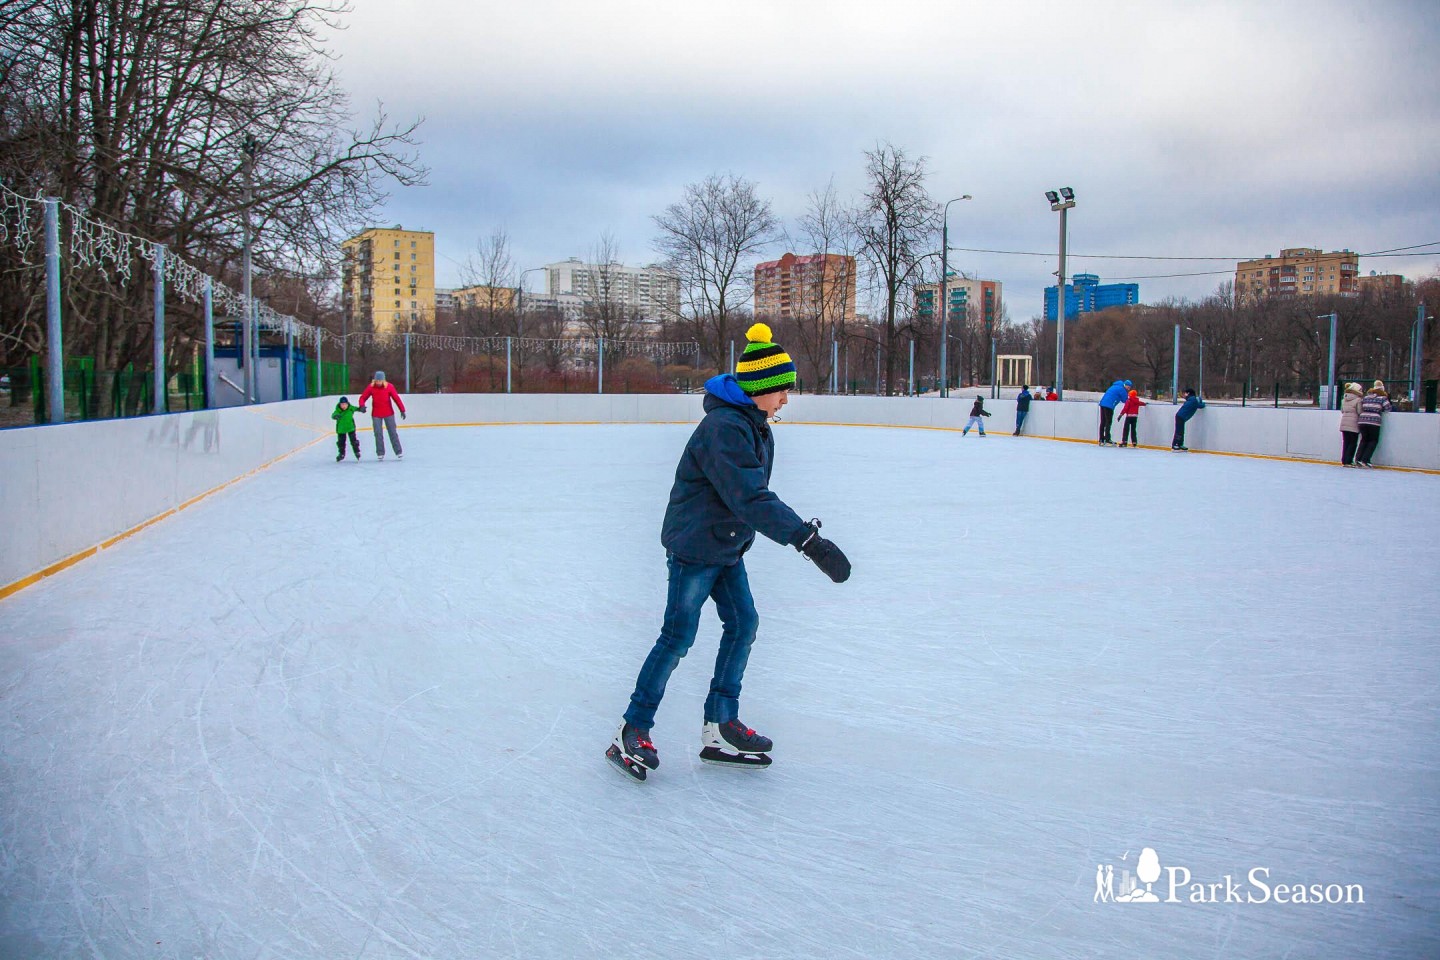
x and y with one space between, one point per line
1112 398
1022 407
1182 416
720 499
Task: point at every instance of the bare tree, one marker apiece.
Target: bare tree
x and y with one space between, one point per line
137 112
607 312
826 297
492 269
896 227
707 239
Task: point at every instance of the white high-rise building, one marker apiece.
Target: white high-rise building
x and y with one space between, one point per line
653 292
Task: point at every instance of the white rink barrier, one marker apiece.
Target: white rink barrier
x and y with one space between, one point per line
71 489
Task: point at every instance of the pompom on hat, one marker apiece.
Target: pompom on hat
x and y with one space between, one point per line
764 367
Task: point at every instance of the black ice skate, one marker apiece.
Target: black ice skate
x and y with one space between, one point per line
633 752
734 744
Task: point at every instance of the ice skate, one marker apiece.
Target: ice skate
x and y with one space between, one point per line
633 752
734 744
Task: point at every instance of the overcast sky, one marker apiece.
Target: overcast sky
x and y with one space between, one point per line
1190 128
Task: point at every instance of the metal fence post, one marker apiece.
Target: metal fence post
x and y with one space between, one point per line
158 357
834 367
54 345
913 392
289 365
407 361
209 304
507 364
600 356
319 364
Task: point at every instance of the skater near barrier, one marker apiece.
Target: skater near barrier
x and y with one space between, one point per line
1111 399
1129 430
1051 394
1372 408
382 395
344 417
977 413
1022 407
1182 416
720 498
1350 423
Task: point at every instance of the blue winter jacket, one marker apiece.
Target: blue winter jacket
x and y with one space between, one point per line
1188 408
1115 395
1022 402
722 495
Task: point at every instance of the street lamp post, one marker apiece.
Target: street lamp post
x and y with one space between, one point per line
520 300
249 146
1201 377
1060 203
943 294
1389 354
1250 370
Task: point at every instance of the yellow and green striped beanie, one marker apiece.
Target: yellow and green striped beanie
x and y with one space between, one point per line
764 367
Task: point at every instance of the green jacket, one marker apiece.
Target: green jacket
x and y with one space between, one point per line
344 419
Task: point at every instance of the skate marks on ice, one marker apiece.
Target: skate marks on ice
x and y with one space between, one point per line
384 738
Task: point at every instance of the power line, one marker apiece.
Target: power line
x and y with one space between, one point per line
1117 256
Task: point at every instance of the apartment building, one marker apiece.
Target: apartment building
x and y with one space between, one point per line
1298 270
483 297
388 279
961 294
818 285
652 292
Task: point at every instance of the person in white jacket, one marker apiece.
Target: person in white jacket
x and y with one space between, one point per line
1350 423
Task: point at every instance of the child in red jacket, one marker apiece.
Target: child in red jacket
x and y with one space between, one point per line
1131 413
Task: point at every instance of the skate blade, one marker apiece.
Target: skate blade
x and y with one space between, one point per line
745 761
635 771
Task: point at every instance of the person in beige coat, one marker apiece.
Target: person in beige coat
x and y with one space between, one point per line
1350 423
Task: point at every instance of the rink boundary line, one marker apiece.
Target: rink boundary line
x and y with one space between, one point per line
11 589
1142 446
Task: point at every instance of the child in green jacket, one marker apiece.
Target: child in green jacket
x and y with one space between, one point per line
344 417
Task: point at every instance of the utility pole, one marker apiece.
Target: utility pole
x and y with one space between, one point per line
943 294
249 146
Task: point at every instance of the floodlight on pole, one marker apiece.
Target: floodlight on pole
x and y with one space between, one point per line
943 294
1061 203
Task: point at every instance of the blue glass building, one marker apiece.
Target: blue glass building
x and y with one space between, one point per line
1087 295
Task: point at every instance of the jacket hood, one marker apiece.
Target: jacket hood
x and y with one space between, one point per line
725 387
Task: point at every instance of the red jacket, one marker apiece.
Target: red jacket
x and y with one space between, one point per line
382 394
1132 407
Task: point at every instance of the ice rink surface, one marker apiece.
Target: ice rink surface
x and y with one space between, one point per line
359 710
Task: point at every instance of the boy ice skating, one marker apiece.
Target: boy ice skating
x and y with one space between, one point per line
720 499
382 394
344 417
976 413
1182 416
1129 431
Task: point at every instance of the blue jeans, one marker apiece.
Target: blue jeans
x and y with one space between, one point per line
690 585
1019 420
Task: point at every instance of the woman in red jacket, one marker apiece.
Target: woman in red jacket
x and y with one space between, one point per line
1131 413
381 393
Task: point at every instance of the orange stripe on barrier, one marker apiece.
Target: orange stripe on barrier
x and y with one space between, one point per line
70 561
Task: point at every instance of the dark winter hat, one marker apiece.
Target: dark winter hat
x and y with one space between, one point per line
342 400
764 367
379 375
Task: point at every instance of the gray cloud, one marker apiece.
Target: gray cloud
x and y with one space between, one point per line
1187 128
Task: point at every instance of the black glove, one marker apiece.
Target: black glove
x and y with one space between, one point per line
402 414
361 408
822 552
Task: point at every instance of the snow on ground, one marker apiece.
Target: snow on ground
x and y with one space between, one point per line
359 710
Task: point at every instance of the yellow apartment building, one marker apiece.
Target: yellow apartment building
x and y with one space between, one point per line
388 278
1297 271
